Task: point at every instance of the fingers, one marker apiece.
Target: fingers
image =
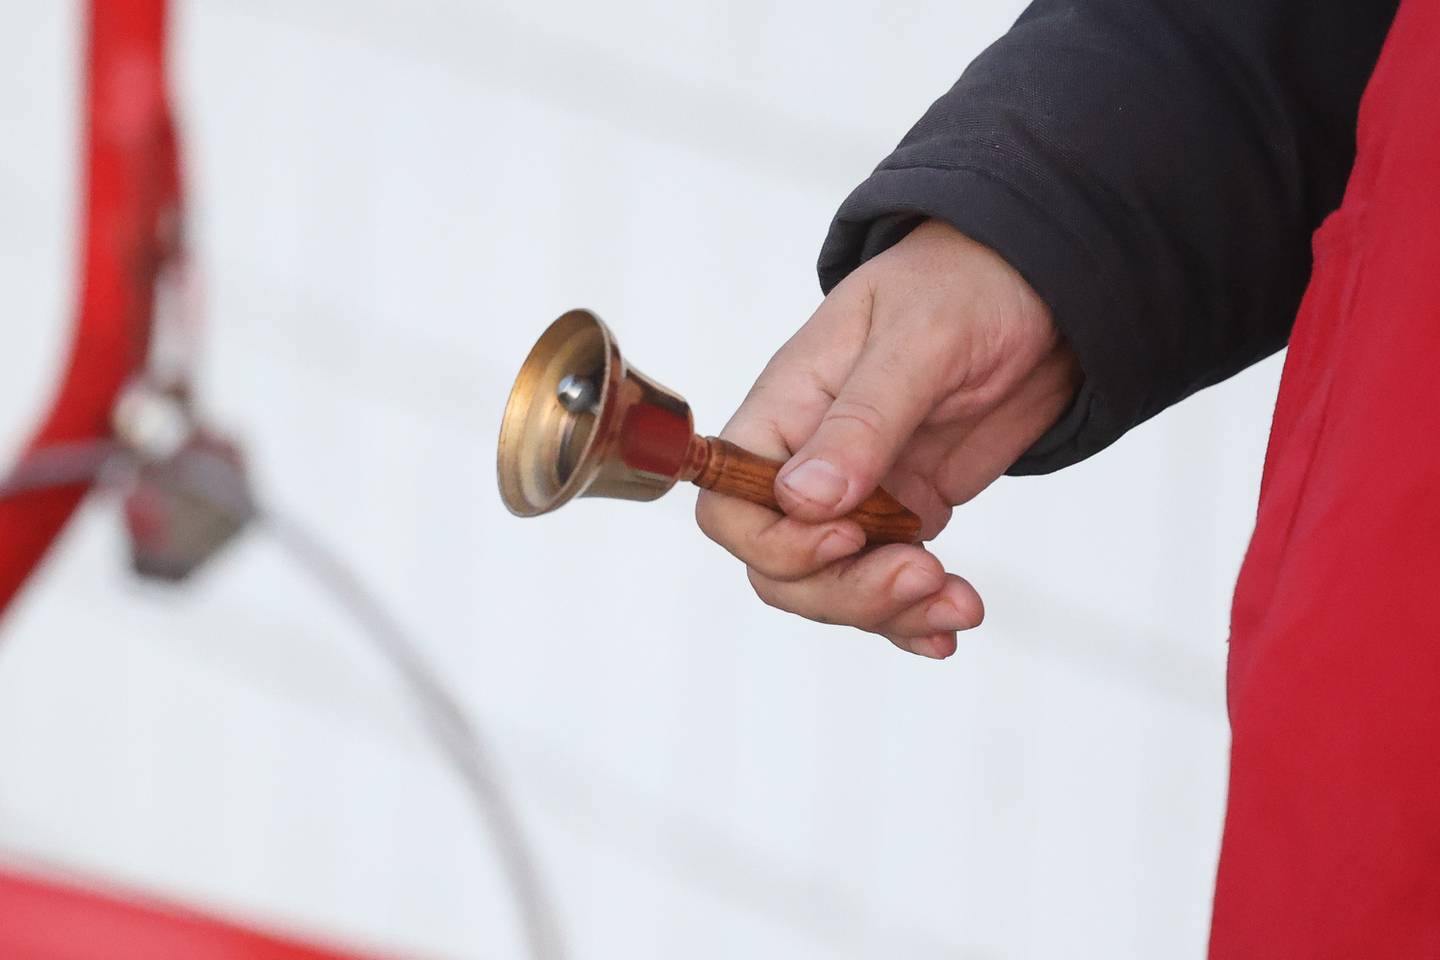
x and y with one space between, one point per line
928 628
899 591
783 408
886 396
955 606
773 545
864 591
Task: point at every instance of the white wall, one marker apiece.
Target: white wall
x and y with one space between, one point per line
390 200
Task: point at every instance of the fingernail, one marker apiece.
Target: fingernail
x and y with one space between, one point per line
943 616
836 544
817 481
925 647
936 648
912 583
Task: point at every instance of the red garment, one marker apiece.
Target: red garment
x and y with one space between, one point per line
1332 838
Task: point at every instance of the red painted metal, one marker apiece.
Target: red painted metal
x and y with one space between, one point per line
131 226
44 920
131 229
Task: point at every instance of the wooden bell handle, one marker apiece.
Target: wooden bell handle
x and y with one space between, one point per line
721 466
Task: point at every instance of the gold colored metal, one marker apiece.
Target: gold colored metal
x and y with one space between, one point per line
631 444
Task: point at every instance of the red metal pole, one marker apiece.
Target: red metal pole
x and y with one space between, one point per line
46 920
131 224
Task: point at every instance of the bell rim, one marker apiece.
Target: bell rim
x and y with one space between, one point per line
511 453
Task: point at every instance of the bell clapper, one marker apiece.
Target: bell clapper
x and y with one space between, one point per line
577 394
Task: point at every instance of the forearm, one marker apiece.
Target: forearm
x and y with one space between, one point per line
1153 169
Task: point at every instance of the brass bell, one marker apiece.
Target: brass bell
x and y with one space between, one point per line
580 422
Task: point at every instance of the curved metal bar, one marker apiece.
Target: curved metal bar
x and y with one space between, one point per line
132 199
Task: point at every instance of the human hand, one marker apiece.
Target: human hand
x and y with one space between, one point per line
929 371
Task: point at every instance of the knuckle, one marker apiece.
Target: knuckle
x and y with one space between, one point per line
930 564
774 553
900 643
800 601
960 405
863 606
986 393
871 615
942 328
862 414
775 550
876 567
764 588
707 514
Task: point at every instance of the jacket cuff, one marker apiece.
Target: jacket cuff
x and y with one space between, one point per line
1053 260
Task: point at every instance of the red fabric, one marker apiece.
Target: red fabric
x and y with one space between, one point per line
132 183
43 920
1332 838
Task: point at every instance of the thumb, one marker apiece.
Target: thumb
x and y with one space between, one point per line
886 396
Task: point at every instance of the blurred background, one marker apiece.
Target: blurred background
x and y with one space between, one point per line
388 202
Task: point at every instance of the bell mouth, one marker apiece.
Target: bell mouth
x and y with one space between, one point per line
550 425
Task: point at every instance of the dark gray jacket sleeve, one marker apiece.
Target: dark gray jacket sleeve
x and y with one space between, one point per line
1154 169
